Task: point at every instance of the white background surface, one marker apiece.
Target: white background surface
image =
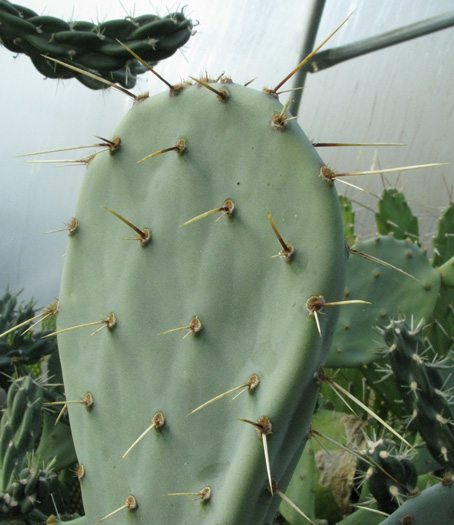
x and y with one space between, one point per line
401 94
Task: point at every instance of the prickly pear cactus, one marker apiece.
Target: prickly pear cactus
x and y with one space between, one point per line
246 325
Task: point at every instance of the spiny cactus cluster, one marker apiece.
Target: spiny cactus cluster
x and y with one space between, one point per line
422 389
22 485
92 47
390 476
20 348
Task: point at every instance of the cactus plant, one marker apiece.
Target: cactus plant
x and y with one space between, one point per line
21 348
251 319
416 294
422 390
391 477
92 47
183 266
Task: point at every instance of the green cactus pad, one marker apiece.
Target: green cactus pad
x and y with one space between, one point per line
441 333
228 158
391 293
433 505
394 216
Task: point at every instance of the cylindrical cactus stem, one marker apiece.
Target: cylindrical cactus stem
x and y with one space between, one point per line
421 387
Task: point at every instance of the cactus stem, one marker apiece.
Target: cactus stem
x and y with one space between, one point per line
279 121
339 389
180 148
287 248
52 309
157 422
330 175
251 384
273 486
110 322
306 60
71 227
96 77
354 144
227 208
130 504
144 236
204 495
222 94
194 327
263 428
87 400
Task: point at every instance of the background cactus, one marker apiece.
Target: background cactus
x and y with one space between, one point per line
37 457
92 47
396 365
19 349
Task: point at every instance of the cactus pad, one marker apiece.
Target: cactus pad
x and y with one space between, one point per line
231 169
390 291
